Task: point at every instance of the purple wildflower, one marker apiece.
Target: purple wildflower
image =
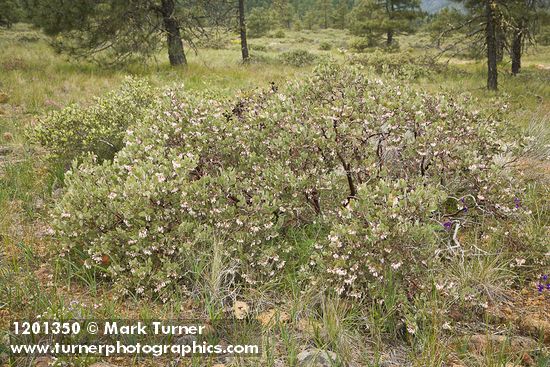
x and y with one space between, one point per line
545 277
464 206
517 202
448 224
540 287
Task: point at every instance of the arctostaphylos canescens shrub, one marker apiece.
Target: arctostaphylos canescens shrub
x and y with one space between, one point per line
98 128
376 164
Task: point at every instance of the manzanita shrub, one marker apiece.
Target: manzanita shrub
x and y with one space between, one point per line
98 128
381 166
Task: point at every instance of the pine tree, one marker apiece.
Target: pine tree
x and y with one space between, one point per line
310 20
260 21
10 12
484 26
242 31
491 15
523 19
340 14
324 9
389 17
121 30
502 24
284 12
439 24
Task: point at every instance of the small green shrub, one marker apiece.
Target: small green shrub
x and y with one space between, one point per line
298 58
398 65
325 46
361 44
98 128
279 33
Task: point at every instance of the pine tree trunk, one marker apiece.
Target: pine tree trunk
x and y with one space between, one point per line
490 33
516 51
173 35
389 37
500 48
242 29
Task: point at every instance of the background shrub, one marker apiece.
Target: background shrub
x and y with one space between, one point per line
298 58
98 128
361 44
399 65
279 33
325 46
